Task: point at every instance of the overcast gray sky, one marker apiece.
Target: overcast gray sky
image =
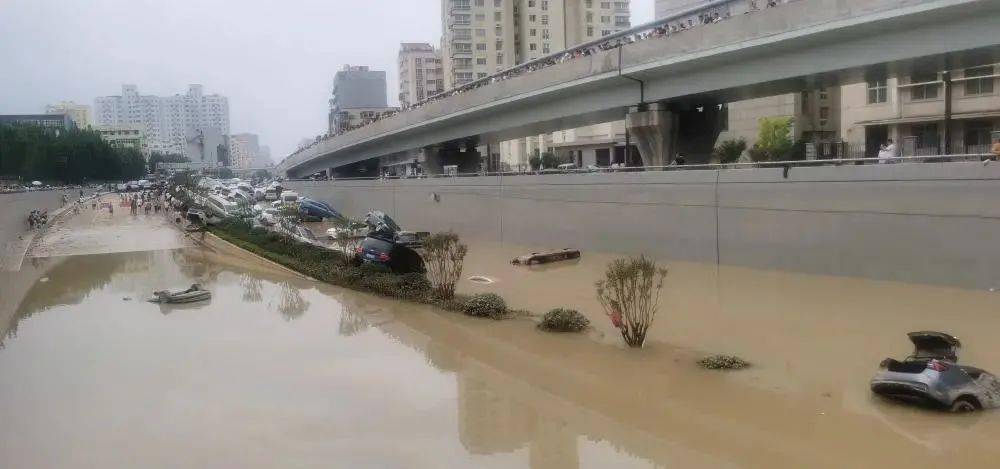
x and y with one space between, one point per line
275 60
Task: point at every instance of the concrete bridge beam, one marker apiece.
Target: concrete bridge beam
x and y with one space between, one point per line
652 130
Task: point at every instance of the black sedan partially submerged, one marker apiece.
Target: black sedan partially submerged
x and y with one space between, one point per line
932 376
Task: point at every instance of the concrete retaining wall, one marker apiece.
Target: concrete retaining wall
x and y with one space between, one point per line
922 222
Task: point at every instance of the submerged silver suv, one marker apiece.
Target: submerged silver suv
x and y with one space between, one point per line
932 376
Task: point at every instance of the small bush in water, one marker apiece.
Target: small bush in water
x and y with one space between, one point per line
563 320
486 305
444 256
723 362
629 294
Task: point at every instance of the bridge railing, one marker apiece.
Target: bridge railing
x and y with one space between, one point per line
968 157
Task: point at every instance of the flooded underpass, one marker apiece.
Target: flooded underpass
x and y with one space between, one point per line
278 370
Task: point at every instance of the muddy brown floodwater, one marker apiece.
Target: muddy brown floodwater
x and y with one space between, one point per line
280 371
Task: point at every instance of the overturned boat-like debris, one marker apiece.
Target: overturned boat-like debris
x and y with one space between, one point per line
190 295
546 257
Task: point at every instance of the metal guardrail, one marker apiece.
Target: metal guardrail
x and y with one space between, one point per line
690 167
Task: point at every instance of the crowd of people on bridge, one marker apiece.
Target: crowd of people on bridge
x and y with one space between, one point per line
659 31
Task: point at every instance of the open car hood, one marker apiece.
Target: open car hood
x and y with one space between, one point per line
931 344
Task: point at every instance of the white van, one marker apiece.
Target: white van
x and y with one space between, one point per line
289 197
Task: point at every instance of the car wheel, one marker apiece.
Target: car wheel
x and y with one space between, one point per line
965 404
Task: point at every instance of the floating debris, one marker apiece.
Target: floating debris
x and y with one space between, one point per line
43 279
723 362
481 279
546 257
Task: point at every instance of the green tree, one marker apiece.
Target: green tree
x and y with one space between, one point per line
774 141
549 160
72 156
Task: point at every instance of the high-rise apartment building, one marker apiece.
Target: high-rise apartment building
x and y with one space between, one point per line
482 37
419 72
359 95
167 120
244 150
80 113
477 39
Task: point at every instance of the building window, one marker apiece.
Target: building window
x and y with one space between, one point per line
480 33
481 46
805 102
480 75
531 3
921 92
545 19
590 31
590 17
531 18
497 3
545 48
622 21
605 5
480 17
878 91
480 3
545 34
823 94
605 32
605 19
499 58
499 45
589 3
532 46
497 16
481 61
979 85
499 31
927 136
545 5
532 32
461 4
824 115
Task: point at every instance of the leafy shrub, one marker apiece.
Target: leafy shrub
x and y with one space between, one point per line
371 268
729 151
563 320
413 285
487 305
444 257
629 294
723 362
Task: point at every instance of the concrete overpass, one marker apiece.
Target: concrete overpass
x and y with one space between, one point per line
799 45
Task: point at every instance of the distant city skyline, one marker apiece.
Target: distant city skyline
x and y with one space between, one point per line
276 68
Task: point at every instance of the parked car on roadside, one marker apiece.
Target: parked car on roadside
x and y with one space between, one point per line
932 376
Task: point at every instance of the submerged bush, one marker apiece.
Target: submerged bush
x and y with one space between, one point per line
486 305
723 362
629 294
563 320
444 256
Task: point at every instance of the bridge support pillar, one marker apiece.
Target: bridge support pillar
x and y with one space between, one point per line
652 130
430 160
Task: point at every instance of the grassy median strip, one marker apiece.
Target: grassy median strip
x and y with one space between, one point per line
334 267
